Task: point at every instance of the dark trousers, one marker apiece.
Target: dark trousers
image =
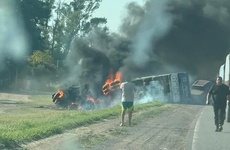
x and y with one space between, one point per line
219 114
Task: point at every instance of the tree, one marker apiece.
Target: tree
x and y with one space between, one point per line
40 57
70 21
36 14
42 69
7 73
41 63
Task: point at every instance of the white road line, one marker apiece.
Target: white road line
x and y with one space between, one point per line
196 130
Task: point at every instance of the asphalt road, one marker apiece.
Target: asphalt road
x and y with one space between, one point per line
204 135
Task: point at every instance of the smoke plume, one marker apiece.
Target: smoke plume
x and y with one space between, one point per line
189 36
159 37
89 66
154 24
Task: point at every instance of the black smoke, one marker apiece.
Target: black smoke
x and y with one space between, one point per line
88 64
178 35
159 37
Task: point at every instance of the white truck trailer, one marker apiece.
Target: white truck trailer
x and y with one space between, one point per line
174 86
224 72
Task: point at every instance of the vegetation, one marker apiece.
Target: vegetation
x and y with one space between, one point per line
40 119
50 26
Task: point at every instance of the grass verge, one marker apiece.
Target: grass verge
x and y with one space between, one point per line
27 121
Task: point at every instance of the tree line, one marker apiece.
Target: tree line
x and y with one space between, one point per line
50 26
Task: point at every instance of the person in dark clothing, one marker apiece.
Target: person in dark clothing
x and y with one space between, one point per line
220 94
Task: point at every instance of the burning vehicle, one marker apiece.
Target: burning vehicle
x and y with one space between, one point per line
80 97
74 98
173 88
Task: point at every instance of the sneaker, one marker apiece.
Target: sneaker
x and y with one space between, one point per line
121 124
220 128
217 129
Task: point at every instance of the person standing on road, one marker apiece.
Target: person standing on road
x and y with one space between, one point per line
128 89
220 94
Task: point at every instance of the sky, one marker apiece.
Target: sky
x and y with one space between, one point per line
114 12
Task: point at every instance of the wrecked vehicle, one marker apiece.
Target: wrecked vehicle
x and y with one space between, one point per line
199 90
172 87
80 97
74 98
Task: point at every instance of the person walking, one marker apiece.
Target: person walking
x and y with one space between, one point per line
220 94
128 90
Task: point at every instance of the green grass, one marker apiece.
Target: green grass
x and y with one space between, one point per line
28 122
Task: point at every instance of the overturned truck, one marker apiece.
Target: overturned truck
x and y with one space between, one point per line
173 86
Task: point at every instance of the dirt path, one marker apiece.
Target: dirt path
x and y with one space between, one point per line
14 97
167 131
9 101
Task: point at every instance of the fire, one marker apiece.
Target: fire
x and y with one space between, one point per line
118 76
57 95
61 92
113 82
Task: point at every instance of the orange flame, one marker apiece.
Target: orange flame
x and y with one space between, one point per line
61 92
113 81
118 76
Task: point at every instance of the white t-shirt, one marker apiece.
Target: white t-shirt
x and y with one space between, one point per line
127 89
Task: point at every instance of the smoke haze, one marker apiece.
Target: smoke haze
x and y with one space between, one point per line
153 92
154 24
157 38
194 37
13 42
